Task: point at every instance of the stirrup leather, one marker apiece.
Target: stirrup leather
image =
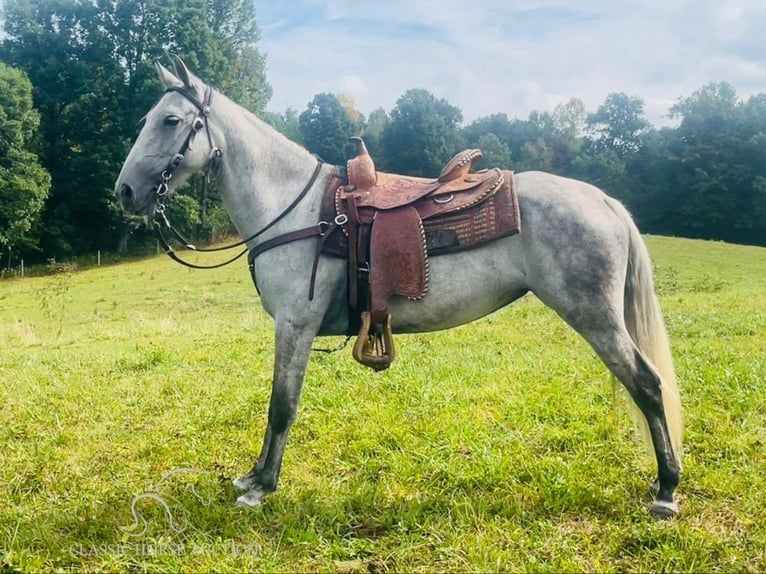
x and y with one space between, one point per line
375 349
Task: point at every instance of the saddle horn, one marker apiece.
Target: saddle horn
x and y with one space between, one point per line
361 169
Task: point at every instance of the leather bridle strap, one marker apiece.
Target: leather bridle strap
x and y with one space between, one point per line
215 154
203 107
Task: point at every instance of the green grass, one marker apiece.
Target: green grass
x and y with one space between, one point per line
494 446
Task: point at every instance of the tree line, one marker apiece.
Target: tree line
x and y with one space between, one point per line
704 178
76 77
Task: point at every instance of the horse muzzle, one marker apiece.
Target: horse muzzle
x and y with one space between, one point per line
133 204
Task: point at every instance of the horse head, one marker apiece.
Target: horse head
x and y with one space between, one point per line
165 153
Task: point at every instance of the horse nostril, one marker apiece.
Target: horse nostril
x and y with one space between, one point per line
126 192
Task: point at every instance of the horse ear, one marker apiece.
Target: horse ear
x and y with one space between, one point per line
167 77
188 78
181 70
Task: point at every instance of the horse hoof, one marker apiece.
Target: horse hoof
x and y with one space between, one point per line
663 510
243 483
251 499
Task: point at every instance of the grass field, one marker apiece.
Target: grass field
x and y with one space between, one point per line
494 446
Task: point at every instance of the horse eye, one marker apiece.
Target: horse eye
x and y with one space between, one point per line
172 121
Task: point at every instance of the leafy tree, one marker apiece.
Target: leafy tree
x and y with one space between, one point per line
373 135
718 160
545 141
90 64
618 124
604 169
353 113
24 184
183 211
219 39
615 133
422 134
555 141
537 155
536 144
654 183
326 127
715 103
66 50
495 153
569 119
286 123
497 124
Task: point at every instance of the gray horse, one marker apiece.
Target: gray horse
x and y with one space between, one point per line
579 252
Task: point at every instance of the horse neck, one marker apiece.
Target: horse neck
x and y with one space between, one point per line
263 172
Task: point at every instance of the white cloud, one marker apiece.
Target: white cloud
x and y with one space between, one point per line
490 56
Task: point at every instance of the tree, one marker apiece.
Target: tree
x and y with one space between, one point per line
537 155
353 113
497 124
286 123
604 169
546 141
24 184
495 153
326 127
79 87
714 102
615 134
373 135
553 138
718 160
219 40
618 124
536 144
654 182
422 134
569 119
90 64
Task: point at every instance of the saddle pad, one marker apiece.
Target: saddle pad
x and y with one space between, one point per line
492 219
398 257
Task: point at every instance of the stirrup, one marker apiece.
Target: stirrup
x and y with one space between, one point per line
376 349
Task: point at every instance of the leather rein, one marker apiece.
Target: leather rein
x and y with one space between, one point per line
161 221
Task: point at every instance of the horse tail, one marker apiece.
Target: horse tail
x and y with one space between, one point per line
646 327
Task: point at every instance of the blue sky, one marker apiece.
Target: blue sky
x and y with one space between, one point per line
488 56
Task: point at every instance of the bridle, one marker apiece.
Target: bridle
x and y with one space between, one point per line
199 122
161 221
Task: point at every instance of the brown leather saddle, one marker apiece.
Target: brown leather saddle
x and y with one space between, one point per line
393 221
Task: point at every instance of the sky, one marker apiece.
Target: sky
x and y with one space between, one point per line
510 56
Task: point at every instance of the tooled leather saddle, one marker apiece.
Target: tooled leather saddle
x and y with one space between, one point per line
393 222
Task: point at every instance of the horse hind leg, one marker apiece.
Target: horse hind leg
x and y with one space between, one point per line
628 364
646 390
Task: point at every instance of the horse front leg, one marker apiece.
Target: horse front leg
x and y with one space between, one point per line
292 348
